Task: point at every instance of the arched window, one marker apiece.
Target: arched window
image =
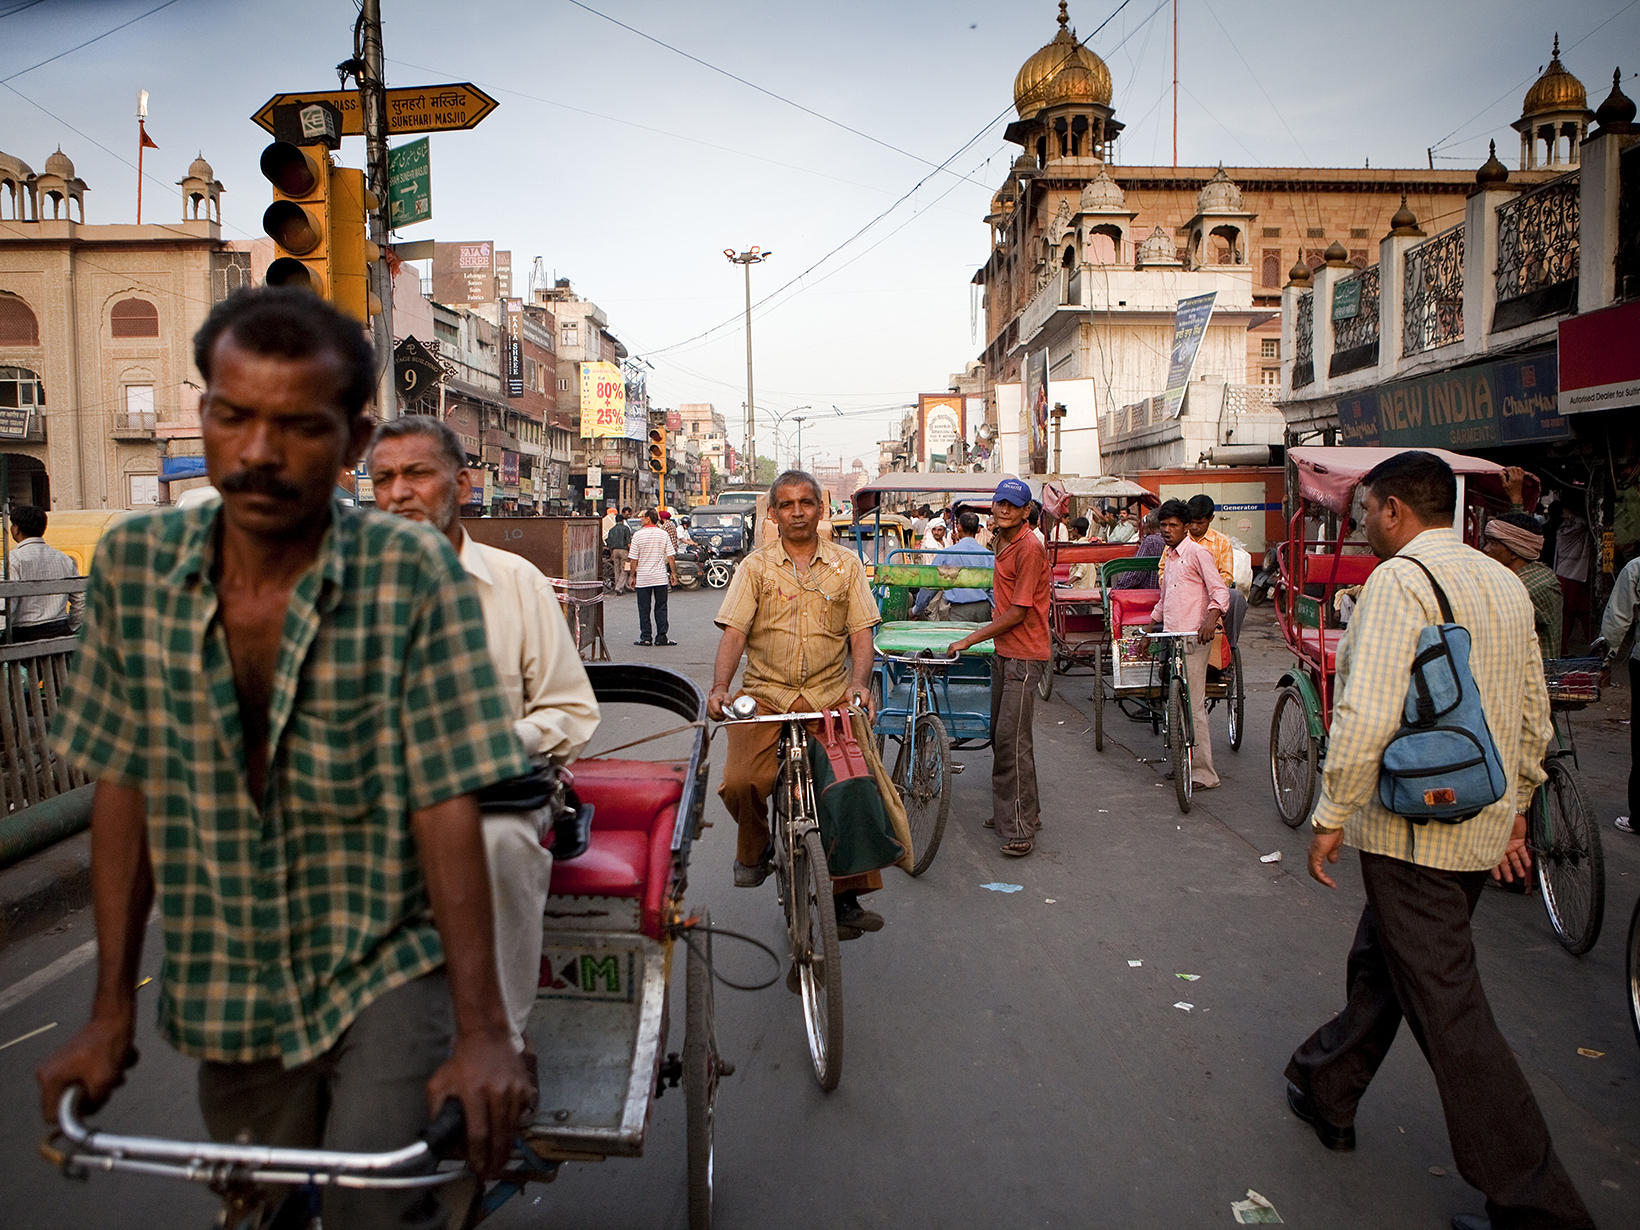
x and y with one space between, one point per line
1272 268
17 324
135 318
1102 245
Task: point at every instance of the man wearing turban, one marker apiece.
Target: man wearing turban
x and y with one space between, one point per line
1515 541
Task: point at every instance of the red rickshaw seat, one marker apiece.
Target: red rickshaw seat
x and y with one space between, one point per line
1322 642
635 807
1063 595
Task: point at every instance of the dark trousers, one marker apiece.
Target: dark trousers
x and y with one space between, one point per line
656 594
1014 809
1414 956
42 631
368 1093
1634 740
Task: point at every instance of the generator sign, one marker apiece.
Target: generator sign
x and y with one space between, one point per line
603 401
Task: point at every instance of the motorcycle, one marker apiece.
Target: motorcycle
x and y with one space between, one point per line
691 565
1263 580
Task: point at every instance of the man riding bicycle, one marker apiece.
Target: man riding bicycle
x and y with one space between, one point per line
801 612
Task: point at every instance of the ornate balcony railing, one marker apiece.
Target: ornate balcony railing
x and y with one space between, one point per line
1432 295
1304 341
1538 253
1355 339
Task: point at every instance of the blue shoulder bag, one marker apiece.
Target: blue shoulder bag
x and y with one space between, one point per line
1442 764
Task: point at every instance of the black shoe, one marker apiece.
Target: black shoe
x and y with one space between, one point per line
664 641
751 877
1341 1139
854 916
1471 1221
642 640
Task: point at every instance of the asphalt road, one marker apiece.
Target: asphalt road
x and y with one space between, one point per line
1005 1063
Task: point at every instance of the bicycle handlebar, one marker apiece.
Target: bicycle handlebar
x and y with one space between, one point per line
773 717
924 658
211 1162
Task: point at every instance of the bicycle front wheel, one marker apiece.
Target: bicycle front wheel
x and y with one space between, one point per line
1571 866
1293 757
1634 971
817 958
1178 719
701 1068
1236 700
923 774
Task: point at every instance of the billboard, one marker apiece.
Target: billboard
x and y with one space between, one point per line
1189 324
515 347
1599 360
940 424
603 401
464 272
1033 430
1487 405
503 275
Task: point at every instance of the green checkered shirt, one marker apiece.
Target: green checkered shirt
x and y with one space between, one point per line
282 922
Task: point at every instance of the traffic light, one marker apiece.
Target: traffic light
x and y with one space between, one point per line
657 450
318 223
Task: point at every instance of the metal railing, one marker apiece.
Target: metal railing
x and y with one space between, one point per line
1362 328
1304 341
1432 296
32 675
1537 238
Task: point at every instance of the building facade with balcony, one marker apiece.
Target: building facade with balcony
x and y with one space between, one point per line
96 335
1089 259
1512 333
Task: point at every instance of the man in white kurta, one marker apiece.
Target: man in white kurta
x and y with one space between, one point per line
419 470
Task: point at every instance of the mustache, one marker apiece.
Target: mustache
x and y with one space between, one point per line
257 482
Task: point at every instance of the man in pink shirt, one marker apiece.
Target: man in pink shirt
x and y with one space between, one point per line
1193 599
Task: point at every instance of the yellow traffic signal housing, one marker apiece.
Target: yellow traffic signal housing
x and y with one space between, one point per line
657 449
298 221
319 223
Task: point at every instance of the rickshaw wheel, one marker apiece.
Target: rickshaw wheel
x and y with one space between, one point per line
1044 685
819 960
1098 703
922 771
1236 701
1293 758
701 1068
1567 859
1178 713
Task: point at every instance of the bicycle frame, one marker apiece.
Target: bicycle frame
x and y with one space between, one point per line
1176 669
923 699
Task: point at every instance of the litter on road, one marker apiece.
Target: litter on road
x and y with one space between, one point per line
1255 1211
1438 1172
1135 964
1004 888
1050 900
1188 977
1588 1054
33 1033
1184 1007
1273 857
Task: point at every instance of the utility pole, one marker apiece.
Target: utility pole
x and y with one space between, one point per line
746 260
1175 82
373 106
1058 416
800 419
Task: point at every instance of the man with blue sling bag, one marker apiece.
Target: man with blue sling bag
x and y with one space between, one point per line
1423 867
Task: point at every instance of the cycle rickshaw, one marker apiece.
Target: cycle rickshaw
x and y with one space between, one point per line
1151 687
600 1025
1312 567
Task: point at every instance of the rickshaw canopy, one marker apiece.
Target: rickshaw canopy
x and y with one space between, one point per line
1329 476
959 484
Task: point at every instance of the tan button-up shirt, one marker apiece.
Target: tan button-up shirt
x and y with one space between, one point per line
797 627
540 673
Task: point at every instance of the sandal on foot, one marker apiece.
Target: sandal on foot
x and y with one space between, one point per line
1019 849
990 824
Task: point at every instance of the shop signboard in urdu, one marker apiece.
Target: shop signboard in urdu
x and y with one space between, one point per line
603 401
1189 326
1346 303
1487 405
1600 360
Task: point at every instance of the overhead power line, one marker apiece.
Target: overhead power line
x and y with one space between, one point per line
167 4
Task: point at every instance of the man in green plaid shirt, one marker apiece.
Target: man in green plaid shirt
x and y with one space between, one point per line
288 707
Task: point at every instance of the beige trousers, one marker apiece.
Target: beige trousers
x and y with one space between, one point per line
1201 756
520 871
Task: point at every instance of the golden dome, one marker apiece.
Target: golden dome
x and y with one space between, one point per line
1556 90
1062 72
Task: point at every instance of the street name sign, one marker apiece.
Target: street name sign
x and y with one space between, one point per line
422 108
409 184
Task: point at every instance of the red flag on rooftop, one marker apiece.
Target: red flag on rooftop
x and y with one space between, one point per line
147 141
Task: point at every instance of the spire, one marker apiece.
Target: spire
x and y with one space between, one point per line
1065 19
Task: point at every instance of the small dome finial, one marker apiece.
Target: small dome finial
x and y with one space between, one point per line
1492 171
1065 19
1336 254
1299 274
1616 114
1404 221
1553 55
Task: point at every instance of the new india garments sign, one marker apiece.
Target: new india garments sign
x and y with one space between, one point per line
1510 401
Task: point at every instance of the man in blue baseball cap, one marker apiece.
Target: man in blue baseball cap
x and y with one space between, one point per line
1019 627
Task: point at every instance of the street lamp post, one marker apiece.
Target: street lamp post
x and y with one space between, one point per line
746 260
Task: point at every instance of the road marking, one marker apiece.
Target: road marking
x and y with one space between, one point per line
41 978
33 1033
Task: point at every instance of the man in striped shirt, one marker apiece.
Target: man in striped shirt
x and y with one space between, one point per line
1414 955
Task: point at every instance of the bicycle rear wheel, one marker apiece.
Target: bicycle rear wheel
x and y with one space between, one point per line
1178 718
1293 757
1571 866
1634 971
922 771
701 1069
816 954
1235 700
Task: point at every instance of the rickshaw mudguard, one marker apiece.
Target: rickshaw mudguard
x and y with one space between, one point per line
1305 687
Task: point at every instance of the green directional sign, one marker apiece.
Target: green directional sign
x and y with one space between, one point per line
409 184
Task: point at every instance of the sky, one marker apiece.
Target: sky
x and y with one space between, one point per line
860 147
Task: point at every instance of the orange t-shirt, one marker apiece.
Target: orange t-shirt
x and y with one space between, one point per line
1021 578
